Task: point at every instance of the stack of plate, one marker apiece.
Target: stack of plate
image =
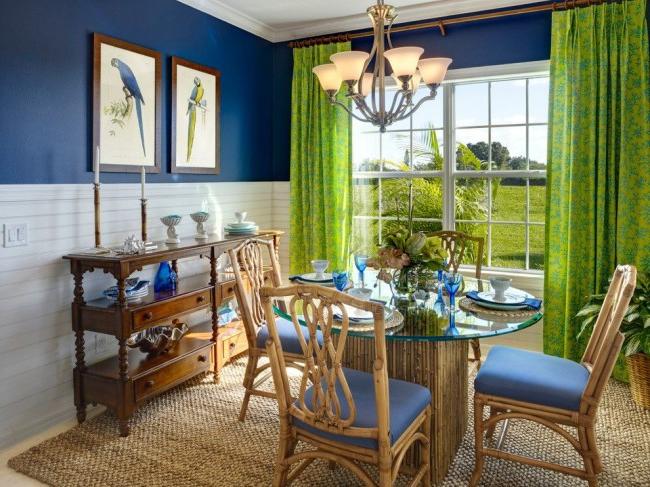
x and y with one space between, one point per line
135 290
312 278
241 228
514 299
359 317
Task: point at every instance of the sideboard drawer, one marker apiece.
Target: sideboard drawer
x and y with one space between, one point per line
157 312
173 374
233 345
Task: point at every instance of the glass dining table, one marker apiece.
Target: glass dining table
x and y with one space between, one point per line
427 344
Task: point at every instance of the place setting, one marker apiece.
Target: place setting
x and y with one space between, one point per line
501 301
241 226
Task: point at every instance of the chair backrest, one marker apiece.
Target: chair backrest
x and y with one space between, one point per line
322 309
455 243
606 340
249 268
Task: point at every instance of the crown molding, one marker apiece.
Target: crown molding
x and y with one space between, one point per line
234 17
431 10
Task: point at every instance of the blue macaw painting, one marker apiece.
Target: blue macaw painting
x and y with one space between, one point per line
120 111
195 102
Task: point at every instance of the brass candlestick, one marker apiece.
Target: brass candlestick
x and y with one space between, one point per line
98 237
143 216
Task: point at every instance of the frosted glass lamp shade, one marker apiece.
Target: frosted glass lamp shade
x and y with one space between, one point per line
366 84
404 60
349 64
434 69
328 76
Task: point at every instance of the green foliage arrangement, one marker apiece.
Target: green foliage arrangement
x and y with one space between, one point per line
636 322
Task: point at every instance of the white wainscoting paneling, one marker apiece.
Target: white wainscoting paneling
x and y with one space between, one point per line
37 344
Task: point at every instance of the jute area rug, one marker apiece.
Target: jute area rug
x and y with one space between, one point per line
190 436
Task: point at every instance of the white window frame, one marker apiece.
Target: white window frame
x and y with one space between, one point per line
450 174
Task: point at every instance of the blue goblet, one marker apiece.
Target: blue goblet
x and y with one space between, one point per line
340 279
452 281
361 263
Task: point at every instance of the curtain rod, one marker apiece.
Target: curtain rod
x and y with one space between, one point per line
443 23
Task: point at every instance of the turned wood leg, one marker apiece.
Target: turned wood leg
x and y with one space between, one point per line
124 427
123 360
478 443
81 412
80 402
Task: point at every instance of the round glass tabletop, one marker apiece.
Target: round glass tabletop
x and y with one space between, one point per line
429 319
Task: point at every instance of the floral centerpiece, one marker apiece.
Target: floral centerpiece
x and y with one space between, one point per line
406 255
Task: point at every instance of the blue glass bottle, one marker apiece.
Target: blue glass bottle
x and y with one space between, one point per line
163 281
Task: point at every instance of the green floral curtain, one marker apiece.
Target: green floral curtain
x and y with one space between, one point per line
321 172
598 193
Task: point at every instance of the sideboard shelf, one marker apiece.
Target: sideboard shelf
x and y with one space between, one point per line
124 382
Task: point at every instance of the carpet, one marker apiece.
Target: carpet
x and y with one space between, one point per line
190 436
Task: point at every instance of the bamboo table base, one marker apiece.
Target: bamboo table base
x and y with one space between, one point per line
440 366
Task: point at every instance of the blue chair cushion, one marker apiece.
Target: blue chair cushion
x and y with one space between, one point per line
532 377
406 402
288 338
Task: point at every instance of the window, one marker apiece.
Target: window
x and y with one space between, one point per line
474 160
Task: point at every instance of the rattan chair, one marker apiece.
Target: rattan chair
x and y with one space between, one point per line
346 414
455 243
552 391
247 261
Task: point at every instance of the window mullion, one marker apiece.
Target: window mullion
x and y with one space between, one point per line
449 162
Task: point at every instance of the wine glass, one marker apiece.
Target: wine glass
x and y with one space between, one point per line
340 279
452 281
361 263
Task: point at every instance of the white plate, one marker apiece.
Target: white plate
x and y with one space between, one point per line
517 294
510 297
361 317
311 277
241 225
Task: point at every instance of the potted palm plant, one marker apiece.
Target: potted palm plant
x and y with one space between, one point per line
636 329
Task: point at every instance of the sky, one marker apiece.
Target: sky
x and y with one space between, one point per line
508 107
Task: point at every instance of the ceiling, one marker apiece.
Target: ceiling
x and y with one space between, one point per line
283 20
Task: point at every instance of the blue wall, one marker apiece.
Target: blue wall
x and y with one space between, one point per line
506 40
46 77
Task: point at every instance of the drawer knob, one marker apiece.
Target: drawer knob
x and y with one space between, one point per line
148 315
200 299
231 346
149 384
202 358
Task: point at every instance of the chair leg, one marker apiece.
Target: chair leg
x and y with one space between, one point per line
591 439
478 442
426 449
476 348
249 378
285 450
587 456
490 430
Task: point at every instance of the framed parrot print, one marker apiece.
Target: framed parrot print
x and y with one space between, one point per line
126 105
196 105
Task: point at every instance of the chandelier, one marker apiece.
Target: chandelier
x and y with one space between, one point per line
367 90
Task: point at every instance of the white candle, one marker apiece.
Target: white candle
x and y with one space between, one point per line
97 166
142 177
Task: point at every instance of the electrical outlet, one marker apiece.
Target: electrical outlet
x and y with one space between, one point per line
15 234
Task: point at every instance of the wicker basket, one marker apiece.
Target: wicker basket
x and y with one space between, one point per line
638 366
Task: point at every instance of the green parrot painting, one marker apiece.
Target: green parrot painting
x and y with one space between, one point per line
195 101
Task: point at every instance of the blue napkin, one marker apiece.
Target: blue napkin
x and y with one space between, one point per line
532 303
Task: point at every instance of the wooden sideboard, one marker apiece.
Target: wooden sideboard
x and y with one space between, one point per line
122 383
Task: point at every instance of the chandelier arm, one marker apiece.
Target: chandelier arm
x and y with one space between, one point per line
392 112
365 66
363 108
390 26
350 112
430 96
